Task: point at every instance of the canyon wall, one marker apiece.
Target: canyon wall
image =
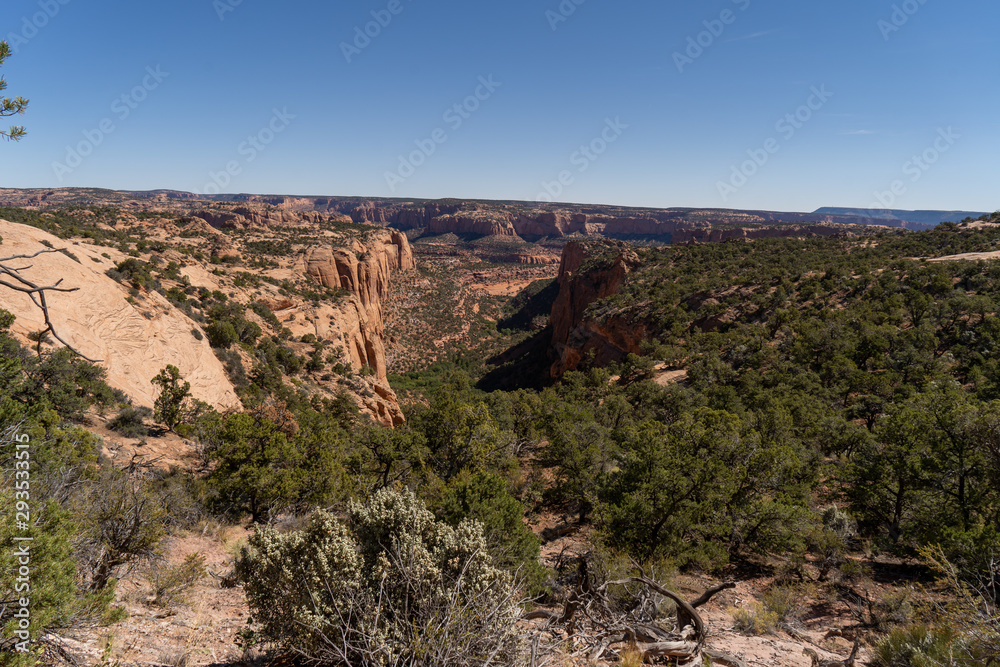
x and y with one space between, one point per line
664 225
245 217
134 338
365 271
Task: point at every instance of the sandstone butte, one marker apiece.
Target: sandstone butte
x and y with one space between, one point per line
574 334
133 342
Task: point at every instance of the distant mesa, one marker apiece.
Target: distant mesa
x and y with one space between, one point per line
925 218
506 219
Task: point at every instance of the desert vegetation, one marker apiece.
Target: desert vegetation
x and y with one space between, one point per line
822 410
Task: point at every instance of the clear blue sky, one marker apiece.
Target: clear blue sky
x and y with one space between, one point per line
225 69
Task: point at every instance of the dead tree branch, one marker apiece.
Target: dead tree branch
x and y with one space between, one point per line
622 613
36 293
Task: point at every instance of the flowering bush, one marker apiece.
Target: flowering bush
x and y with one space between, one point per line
391 586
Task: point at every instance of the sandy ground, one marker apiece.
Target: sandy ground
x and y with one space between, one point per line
201 631
502 288
968 256
663 377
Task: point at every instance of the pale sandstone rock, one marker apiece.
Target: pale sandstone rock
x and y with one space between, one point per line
133 342
365 271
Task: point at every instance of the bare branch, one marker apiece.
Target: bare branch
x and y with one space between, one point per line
40 252
712 592
37 295
36 290
595 621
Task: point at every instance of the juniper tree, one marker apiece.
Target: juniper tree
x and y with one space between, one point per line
174 391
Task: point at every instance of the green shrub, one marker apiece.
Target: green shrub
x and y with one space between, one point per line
266 314
183 493
229 325
753 503
257 466
917 645
130 422
754 619
176 295
830 541
135 272
174 393
53 590
779 609
486 498
221 335
315 362
785 602
390 586
62 381
56 599
171 582
121 520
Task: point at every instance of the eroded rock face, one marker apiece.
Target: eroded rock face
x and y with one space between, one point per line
479 223
365 271
134 341
574 334
531 259
244 217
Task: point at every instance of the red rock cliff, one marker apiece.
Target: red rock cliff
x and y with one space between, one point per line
365 271
575 334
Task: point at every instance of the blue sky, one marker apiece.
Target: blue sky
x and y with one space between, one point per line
781 105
